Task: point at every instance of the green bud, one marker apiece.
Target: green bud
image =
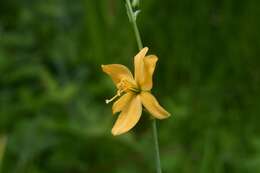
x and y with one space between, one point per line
136 14
135 3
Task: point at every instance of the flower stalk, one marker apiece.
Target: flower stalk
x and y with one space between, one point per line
156 147
132 18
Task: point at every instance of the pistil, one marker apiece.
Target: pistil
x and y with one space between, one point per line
118 94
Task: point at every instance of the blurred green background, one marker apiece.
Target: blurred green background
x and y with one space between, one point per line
52 89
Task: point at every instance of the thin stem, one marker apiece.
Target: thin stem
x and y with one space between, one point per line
156 147
132 18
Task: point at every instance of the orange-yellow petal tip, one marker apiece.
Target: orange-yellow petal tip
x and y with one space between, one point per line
115 110
167 115
115 132
163 115
144 50
103 66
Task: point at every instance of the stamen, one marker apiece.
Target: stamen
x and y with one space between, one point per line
113 98
110 100
123 86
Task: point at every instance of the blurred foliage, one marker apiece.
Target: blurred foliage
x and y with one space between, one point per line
52 90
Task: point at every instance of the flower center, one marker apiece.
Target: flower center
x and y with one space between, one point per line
124 86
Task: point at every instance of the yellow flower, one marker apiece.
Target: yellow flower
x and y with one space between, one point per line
134 92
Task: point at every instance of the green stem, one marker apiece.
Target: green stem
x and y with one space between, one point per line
156 147
132 19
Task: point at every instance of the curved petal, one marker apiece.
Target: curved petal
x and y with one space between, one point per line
122 102
128 117
149 67
152 105
139 65
118 72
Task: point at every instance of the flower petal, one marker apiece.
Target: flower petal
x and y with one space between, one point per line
152 105
122 102
128 117
139 65
118 72
149 67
